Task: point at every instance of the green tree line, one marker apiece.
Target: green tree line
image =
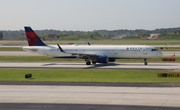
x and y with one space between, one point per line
78 35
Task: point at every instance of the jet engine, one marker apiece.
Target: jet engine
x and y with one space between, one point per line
102 59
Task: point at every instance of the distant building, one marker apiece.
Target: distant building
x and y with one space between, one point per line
153 36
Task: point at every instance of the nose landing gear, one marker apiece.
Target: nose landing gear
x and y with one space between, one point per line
145 62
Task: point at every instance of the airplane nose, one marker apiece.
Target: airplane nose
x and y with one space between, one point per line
160 54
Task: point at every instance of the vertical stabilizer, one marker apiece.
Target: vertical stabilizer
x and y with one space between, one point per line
32 38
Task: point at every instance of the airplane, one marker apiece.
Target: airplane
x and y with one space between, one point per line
91 53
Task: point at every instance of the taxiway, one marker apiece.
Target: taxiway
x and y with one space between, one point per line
139 96
150 66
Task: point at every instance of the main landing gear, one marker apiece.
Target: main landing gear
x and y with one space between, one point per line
93 62
145 62
89 62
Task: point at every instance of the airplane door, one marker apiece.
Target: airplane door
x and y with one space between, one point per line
45 51
115 51
144 52
80 50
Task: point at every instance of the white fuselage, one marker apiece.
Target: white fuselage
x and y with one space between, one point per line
112 51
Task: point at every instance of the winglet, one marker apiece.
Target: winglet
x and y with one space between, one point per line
32 37
60 48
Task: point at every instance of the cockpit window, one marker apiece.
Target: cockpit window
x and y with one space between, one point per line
154 50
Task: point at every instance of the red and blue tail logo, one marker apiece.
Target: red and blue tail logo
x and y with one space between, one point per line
32 38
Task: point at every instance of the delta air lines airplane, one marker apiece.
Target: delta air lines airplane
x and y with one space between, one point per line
91 53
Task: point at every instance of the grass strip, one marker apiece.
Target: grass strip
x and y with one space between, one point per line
11 49
111 76
37 59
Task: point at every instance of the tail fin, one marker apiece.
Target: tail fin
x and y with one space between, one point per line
32 38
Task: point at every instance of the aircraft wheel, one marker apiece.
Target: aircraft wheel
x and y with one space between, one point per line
145 62
93 62
88 63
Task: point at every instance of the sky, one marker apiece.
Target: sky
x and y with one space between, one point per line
89 15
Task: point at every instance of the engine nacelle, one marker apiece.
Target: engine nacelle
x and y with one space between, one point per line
112 59
102 59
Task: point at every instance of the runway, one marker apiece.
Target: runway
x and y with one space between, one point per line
91 95
23 53
150 66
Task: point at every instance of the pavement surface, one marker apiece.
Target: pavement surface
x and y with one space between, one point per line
93 84
150 66
46 106
89 96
